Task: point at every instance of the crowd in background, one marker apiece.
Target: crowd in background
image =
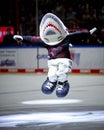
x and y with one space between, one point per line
76 15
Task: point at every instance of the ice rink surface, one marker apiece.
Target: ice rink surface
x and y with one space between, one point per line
24 107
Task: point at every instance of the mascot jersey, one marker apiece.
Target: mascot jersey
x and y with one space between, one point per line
55 37
57 51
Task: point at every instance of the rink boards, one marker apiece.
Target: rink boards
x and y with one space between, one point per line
29 59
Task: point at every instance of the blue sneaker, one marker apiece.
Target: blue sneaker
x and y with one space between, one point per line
48 87
62 89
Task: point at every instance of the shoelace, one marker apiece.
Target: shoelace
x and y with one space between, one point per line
60 87
49 85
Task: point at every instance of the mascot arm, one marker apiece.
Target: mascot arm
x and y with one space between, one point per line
29 40
81 34
74 37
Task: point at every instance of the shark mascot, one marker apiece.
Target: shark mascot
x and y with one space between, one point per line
56 38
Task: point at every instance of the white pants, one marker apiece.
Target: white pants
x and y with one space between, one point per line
58 69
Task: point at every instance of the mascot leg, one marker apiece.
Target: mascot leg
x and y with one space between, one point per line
50 84
62 89
48 87
63 86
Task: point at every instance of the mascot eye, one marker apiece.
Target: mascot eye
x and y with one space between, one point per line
46 40
50 32
60 38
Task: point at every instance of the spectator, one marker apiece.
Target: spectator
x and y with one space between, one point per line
8 39
60 10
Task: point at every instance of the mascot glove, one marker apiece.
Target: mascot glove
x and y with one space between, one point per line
18 38
93 30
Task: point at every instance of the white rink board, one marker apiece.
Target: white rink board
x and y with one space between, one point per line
83 58
26 58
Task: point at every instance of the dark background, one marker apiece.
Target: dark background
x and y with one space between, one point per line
25 15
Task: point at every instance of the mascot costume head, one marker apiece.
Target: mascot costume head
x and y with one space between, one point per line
52 29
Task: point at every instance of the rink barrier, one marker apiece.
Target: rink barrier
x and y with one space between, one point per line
40 70
34 60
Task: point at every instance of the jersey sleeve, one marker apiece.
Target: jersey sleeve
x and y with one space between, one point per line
33 41
77 36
